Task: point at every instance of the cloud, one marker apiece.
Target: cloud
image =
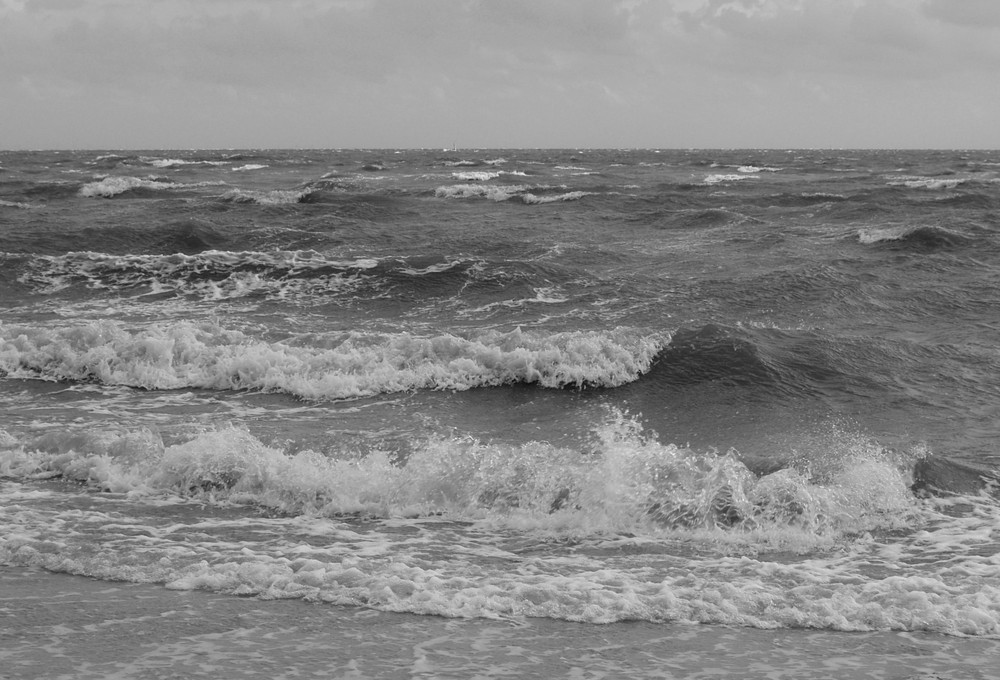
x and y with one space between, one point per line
503 72
983 14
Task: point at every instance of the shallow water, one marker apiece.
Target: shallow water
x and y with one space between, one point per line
55 626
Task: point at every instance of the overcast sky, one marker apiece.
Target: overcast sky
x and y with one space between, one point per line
499 73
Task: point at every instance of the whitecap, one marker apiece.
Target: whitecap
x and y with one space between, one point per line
917 182
208 356
271 197
720 178
113 186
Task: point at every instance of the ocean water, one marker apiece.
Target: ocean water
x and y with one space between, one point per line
562 389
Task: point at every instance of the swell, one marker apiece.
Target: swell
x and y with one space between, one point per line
128 186
187 236
767 361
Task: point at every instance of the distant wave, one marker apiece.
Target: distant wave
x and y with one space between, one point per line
484 176
272 197
530 195
113 186
353 365
479 176
913 237
178 162
209 274
14 204
969 199
109 187
918 182
711 217
801 199
724 178
753 169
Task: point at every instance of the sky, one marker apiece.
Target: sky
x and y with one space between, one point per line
170 74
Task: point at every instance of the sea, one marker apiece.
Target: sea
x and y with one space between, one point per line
473 413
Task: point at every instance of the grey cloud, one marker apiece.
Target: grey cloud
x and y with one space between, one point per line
971 13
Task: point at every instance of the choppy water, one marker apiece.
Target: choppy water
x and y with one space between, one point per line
738 387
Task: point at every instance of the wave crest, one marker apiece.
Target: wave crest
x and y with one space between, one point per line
327 367
913 237
530 195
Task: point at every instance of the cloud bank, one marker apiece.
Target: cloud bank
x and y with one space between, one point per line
656 73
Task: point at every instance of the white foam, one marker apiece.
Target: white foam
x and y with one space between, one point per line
721 178
178 162
169 162
279 275
249 166
113 186
491 192
532 199
14 204
527 530
873 235
753 169
272 197
501 193
917 182
475 176
629 482
336 367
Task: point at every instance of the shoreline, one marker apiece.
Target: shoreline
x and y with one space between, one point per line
74 627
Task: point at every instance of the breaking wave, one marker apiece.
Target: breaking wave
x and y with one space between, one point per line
110 187
341 366
530 195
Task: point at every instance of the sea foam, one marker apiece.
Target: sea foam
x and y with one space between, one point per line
470 528
210 274
624 480
110 187
208 356
113 186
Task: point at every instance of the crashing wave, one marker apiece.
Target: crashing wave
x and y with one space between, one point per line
347 366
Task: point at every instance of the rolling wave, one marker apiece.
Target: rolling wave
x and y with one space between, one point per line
915 238
527 194
137 187
352 365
